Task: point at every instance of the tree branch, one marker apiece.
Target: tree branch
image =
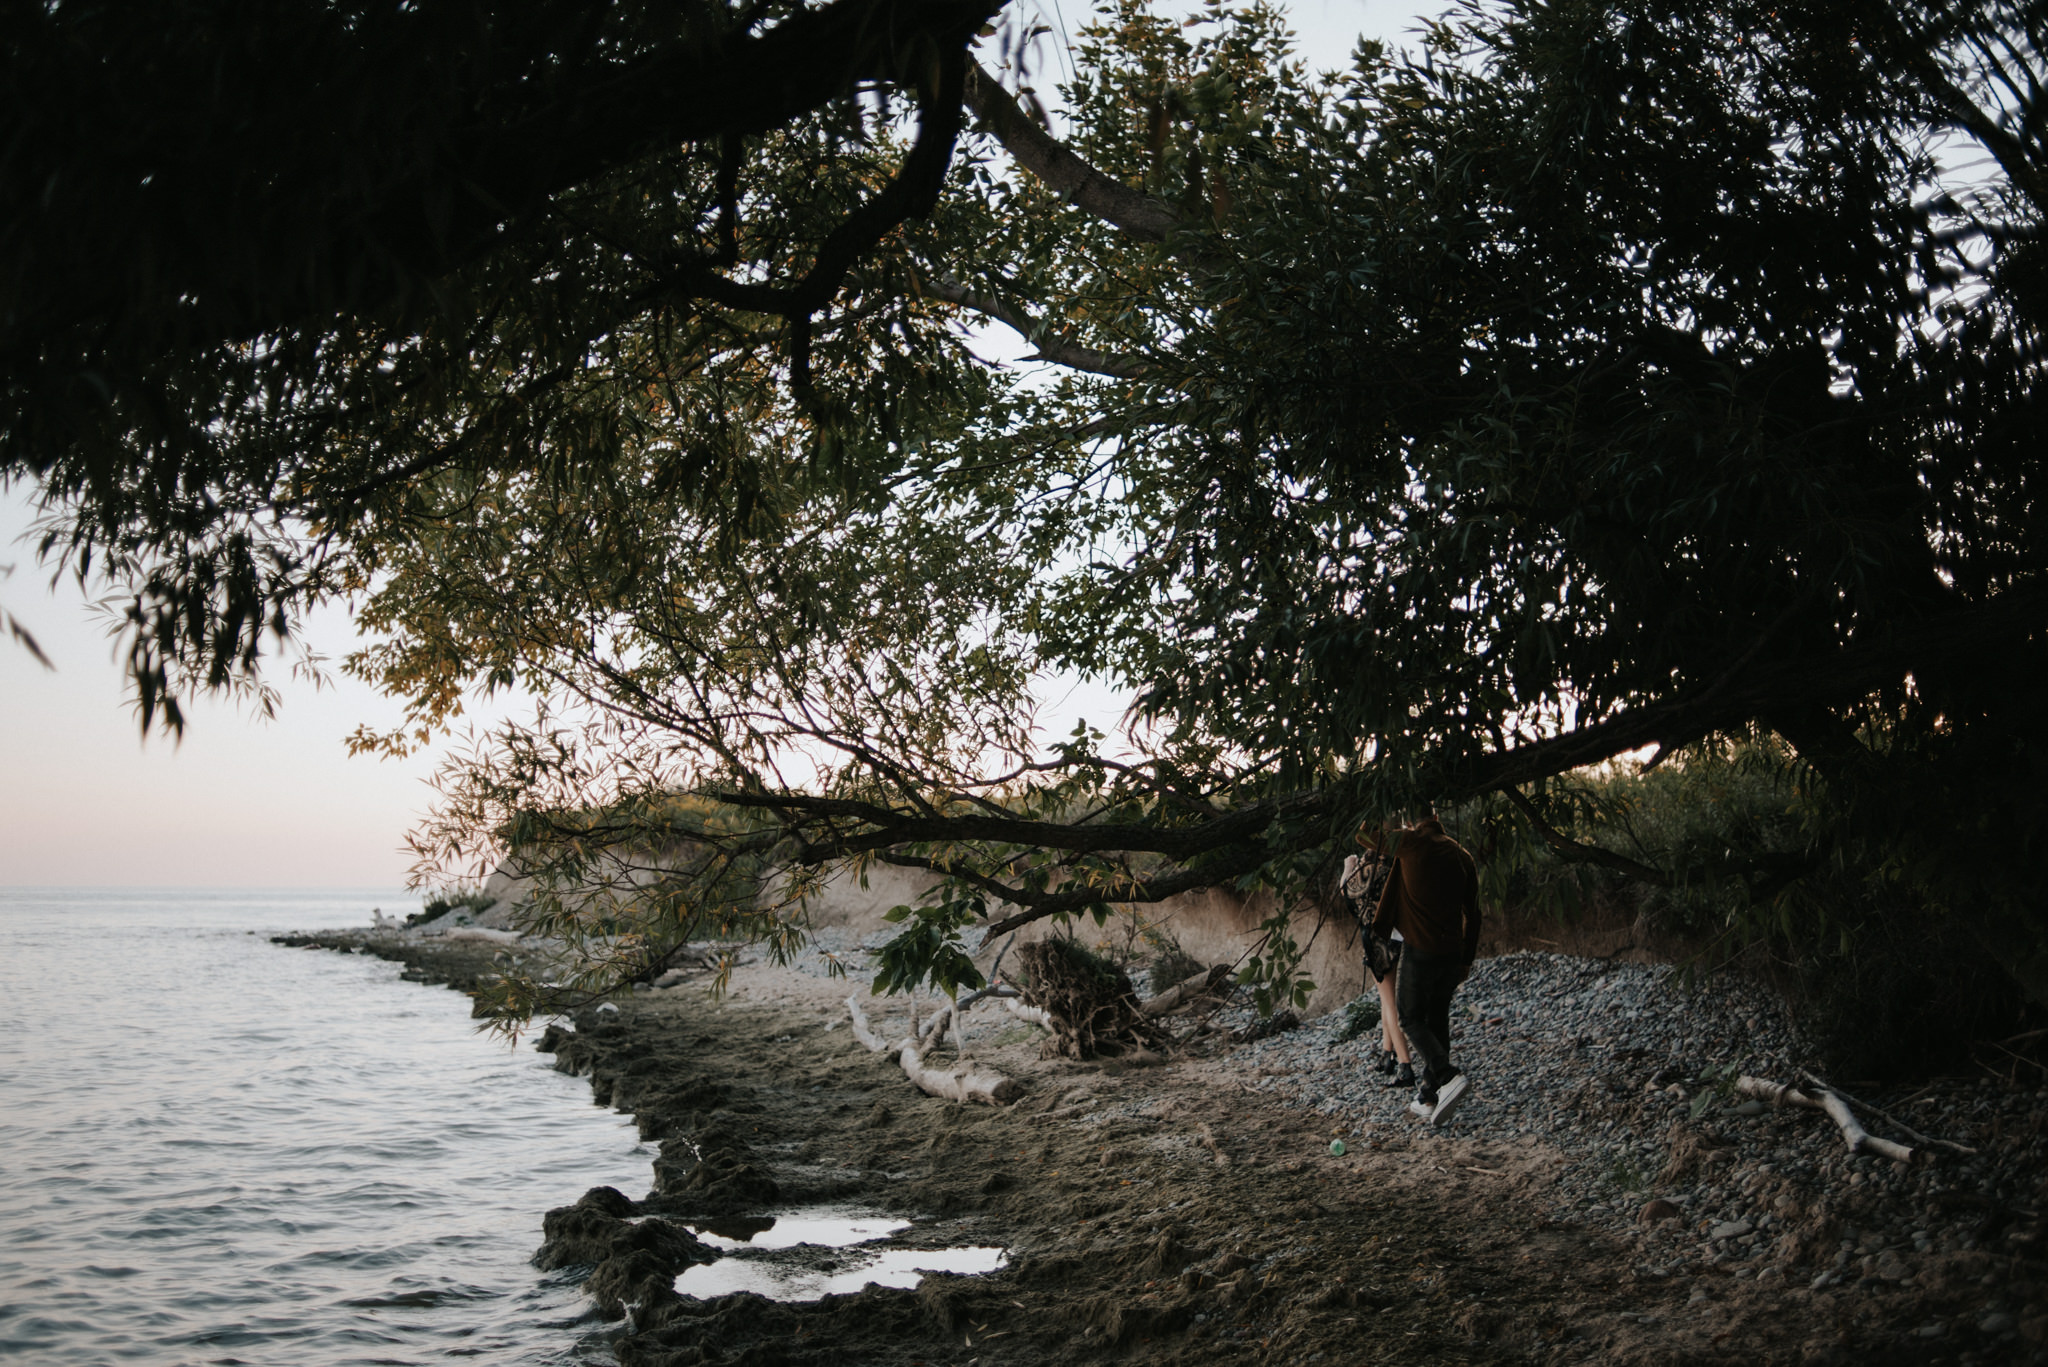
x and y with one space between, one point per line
1576 852
1065 173
1235 842
1035 331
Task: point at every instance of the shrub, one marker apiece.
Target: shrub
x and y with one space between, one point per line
439 903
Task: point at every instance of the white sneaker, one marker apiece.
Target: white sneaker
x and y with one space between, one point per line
1420 1111
1447 1098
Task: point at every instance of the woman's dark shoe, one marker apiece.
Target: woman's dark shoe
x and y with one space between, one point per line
1401 1075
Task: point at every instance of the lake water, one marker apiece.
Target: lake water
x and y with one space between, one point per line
214 1150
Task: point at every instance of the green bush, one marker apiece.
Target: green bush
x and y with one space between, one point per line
1361 1015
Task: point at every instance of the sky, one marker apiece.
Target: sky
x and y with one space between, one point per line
87 801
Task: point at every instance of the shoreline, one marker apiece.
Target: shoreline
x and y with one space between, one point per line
1191 1212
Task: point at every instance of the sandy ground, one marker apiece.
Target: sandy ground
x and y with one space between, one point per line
1165 1214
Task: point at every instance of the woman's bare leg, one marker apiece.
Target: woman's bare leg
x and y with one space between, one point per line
1390 1021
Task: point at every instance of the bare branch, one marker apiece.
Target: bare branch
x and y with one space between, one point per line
1065 173
1576 852
1036 332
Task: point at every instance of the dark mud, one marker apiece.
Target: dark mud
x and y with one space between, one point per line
464 965
1159 1215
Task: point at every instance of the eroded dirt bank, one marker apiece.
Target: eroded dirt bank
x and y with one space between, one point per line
1172 1214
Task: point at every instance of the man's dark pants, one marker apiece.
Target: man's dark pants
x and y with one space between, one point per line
1423 994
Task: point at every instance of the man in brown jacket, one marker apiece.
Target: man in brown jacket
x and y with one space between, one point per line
1433 900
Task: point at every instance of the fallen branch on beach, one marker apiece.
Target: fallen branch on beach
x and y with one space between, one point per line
966 1082
949 1018
1901 1126
1837 1110
1183 993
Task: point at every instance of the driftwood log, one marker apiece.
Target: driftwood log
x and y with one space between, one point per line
1888 1118
1033 1015
1187 991
1106 1017
964 1082
1836 1109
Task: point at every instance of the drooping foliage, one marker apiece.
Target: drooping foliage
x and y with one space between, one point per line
1604 375
267 270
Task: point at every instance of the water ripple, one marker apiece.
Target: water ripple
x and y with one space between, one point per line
220 1151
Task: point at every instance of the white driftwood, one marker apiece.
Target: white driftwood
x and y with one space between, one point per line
1853 1133
1177 995
1036 1015
968 1082
952 1018
1845 1119
1777 1093
1888 1118
862 1031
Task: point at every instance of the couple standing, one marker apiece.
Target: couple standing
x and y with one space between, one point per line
1425 924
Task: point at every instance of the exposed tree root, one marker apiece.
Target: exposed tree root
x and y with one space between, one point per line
1093 1009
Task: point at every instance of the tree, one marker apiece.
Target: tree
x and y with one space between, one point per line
1604 376
266 267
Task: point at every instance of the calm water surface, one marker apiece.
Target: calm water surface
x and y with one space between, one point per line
215 1150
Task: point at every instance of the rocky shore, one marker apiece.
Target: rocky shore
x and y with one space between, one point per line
1586 1205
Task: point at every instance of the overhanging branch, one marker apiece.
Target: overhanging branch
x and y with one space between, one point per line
1064 172
1577 852
1238 841
1036 332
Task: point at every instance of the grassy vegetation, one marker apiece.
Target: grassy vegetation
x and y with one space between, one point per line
442 901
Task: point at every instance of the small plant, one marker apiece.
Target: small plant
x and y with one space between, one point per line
1362 1015
1271 971
1624 1174
1716 1084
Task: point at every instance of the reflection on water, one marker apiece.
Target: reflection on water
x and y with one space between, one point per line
822 1256
215 1150
824 1226
859 1267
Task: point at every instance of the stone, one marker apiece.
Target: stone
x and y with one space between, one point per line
1730 1229
1891 1267
1997 1322
1655 1211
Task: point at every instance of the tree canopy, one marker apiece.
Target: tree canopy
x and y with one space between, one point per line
1602 375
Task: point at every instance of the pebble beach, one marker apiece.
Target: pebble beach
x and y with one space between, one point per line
1625 1072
